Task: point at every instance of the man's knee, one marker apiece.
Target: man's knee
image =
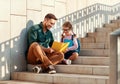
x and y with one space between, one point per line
34 44
61 55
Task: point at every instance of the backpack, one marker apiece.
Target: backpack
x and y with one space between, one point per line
78 41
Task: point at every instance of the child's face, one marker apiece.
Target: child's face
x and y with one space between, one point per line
66 30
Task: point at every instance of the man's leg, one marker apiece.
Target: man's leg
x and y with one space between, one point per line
36 53
56 57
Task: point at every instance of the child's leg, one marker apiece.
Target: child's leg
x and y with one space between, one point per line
73 56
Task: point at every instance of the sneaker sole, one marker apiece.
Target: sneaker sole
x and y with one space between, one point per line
52 72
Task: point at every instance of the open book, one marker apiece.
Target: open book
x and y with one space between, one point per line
59 46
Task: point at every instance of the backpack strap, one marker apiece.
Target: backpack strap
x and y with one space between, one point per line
72 37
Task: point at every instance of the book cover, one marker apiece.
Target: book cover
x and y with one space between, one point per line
60 46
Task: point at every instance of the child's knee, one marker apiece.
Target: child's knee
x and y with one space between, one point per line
75 55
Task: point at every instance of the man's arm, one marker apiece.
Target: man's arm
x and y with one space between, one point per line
47 50
32 36
52 40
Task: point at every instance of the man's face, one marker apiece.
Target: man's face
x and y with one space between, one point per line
50 23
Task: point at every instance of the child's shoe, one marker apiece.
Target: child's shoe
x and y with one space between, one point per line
67 61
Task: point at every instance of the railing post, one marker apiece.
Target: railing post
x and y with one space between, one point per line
118 61
113 59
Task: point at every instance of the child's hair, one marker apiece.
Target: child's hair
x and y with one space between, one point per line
67 24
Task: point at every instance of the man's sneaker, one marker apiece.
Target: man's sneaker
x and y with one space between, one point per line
51 69
67 61
37 69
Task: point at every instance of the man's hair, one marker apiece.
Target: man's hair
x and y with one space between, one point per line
51 16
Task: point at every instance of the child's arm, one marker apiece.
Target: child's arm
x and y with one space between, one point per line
75 44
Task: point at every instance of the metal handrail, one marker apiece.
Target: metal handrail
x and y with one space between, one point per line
87 19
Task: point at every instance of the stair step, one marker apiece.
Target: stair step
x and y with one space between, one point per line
79 69
97 34
87 40
115 21
20 82
93 45
99 39
111 25
60 78
94 52
104 29
83 69
92 60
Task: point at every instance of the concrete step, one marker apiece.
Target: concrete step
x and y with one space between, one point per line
115 21
100 39
97 39
60 78
94 52
83 69
20 82
104 29
87 40
93 45
80 69
97 34
92 60
112 25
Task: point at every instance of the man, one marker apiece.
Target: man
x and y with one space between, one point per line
40 40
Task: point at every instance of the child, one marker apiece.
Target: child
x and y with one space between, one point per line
68 36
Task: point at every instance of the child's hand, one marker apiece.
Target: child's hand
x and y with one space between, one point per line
66 50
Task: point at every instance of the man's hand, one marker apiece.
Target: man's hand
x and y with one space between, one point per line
49 50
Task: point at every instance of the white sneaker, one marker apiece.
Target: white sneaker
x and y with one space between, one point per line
51 69
67 61
52 72
37 69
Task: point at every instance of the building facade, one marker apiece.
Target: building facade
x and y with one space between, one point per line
16 16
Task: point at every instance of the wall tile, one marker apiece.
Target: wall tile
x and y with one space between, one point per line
81 4
60 9
71 7
18 7
34 16
17 27
4 10
48 2
34 4
62 1
46 9
4 31
18 43
4 50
